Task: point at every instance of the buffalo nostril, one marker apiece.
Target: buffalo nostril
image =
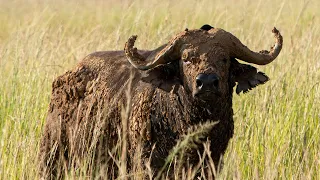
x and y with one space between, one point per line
199 83
216 83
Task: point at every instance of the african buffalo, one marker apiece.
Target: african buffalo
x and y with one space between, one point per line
160 93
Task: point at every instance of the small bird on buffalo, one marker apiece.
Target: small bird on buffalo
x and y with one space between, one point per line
206 27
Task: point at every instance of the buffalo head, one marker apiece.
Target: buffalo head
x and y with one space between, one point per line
203 62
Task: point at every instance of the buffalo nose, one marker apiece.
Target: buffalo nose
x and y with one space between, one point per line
207 81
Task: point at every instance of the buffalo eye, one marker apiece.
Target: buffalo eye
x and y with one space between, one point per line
222 62
225 60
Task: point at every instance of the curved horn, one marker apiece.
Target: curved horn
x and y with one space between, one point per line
261 58
154 59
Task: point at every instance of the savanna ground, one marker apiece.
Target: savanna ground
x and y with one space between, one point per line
277 126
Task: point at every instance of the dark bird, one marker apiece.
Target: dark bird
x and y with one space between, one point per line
206 27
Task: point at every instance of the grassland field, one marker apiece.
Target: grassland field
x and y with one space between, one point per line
277 125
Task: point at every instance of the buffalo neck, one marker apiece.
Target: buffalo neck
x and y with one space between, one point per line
197 111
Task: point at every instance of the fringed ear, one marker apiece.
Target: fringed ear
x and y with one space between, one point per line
247 77
164 77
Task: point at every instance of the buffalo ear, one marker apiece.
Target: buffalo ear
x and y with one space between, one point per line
247 77
164 77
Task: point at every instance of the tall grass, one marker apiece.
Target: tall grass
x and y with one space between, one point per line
277 127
